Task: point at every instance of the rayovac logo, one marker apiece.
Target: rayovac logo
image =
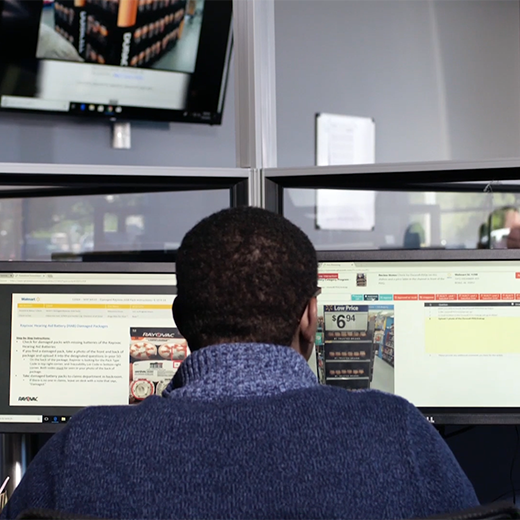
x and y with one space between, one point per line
28 398
82 30
159 335
127 38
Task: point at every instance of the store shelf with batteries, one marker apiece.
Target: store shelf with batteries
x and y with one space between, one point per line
69 23
388 347
320 353
137 37
350 346
384 338
121 32
379 338
348 363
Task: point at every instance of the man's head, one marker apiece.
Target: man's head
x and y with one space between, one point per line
247 275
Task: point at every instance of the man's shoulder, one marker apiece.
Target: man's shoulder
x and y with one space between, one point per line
105 419
365 406
358 398
324 401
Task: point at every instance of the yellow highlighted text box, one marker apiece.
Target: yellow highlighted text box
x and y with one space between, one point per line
485 335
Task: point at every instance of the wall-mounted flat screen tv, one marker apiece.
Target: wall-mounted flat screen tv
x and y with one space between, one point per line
163 60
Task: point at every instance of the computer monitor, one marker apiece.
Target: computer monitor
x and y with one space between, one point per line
77 334
439 328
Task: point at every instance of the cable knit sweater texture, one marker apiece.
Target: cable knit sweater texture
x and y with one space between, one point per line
246 431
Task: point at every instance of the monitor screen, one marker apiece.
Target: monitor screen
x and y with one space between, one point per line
75 335
439 328
128 59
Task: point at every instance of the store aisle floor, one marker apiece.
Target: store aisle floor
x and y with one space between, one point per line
183 56
383 376
48 16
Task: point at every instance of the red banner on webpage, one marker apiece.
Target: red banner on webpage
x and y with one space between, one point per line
467 297
328 276
446 297
490 296
405 297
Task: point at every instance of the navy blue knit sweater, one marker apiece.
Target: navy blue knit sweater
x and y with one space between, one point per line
245 431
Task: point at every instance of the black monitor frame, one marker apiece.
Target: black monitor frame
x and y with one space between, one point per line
80 268
38 181
501 175
440 416
207 85
435 415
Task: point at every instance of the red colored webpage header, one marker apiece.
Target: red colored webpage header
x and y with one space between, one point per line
328 276
490 296
446 297
468 297
404 297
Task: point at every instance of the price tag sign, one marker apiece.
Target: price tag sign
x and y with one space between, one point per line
346 317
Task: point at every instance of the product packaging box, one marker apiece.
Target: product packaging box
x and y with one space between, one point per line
155 356
70 21
133 33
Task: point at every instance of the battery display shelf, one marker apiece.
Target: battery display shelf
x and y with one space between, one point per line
379 339
348 363
135 33
70 22
388 349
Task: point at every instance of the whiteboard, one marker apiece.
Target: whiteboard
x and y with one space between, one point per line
345 140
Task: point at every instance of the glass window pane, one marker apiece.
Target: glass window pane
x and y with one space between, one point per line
38 228
409 220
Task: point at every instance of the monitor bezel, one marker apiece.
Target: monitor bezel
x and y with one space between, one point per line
88 267
208 81
80 268
440 415
434 415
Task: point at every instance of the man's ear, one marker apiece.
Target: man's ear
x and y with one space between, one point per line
308 327
177 314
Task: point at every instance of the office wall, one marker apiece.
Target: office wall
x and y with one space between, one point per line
441 80
54 139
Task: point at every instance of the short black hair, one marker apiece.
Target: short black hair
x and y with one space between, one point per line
243 275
